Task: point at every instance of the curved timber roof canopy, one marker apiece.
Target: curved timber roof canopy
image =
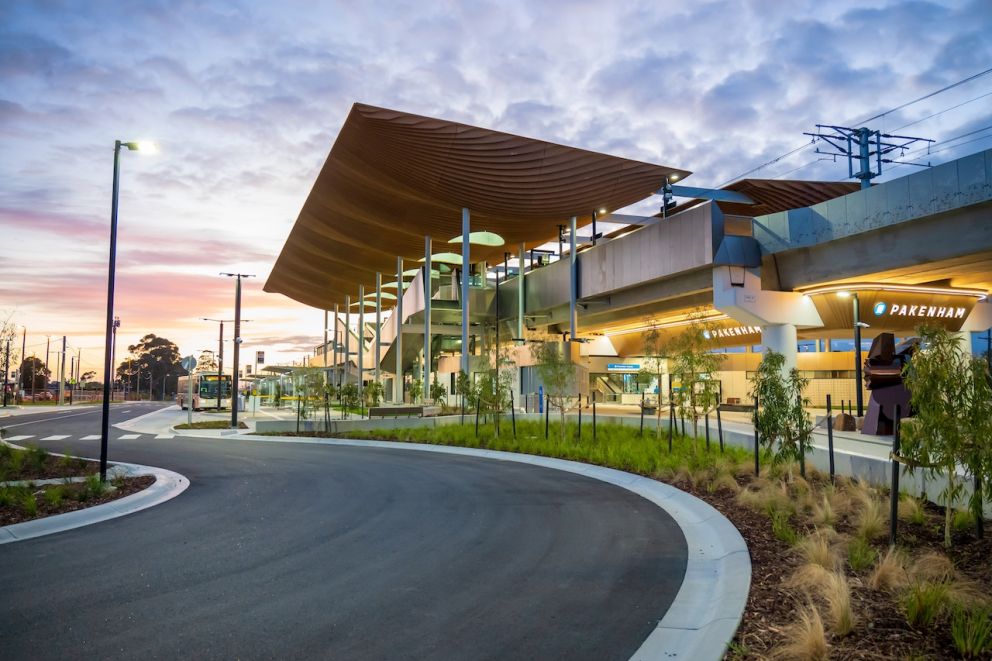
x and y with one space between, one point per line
392 178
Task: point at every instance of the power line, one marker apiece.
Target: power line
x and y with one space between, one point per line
927 96
955 107
887 112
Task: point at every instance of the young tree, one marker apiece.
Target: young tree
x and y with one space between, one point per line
373 393
654 368
416 389
437 392
692 363
782 417
557 373
951 425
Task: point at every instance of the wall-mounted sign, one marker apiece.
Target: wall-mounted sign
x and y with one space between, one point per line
622 367
894 311
731 331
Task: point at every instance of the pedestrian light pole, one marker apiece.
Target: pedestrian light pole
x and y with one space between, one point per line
105 423
237 343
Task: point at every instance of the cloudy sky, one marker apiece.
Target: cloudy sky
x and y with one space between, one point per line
246 98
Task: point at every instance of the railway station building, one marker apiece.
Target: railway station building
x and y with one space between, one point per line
430 243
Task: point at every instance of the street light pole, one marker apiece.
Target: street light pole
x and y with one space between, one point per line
237 344
857 355
105 422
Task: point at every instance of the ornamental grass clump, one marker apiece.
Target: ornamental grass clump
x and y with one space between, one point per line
816 549
806 639
861 555
837 595
924 603
971 631
890 574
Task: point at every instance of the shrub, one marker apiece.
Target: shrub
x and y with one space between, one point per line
28 503
860 554
782 529
924 602
971 630
94 486
36 457
54 496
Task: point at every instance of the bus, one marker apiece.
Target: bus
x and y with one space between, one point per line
205 391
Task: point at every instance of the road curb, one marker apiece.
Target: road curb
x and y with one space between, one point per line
168 484
707 610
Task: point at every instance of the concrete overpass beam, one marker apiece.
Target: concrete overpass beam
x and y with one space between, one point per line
754 306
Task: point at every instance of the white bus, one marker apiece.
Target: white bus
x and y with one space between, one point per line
206 394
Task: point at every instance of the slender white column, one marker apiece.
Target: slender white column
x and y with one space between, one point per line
337 338
520 290
398 341
347 336
574 284
378 323
325 345
361 340
426 371
466 266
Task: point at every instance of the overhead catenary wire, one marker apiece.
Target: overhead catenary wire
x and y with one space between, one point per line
805 145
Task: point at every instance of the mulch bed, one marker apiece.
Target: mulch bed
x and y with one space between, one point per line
52 467
15 513
882 631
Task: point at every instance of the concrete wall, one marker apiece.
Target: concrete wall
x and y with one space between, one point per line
963 182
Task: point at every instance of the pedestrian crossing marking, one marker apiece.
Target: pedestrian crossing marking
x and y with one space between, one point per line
129 437
91 437
165 436
21 438
57 437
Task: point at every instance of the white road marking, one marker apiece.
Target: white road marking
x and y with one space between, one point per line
166 436
128 437
57 437
35 422
20 438
91 437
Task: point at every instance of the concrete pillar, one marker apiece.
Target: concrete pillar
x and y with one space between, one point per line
334 334
325 345
782 339
521 292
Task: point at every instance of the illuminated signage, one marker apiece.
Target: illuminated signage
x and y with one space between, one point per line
622 367
733 331
928 311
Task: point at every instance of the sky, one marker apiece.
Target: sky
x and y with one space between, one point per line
245 100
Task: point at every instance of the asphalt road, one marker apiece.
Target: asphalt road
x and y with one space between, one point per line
307 551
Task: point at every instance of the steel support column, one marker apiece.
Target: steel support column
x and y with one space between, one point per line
466 267
426 370
378 323
398 341
334 335
361 340
521 250
347 337
573 290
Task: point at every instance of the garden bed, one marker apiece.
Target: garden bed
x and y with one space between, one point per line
824 584
210 424
22 499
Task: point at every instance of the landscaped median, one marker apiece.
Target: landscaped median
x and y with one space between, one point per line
824 582
43 493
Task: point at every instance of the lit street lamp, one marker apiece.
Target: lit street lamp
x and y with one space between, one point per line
107 356
858 325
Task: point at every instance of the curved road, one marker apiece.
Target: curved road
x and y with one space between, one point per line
290 550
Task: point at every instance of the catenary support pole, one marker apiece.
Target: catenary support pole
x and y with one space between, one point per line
107 367
62 374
